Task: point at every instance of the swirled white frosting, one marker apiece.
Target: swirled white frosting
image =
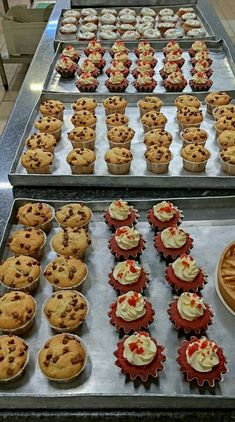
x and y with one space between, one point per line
174 55
118 47
170 67
65 62
144 78
130 306
119 210
185 268
201 55
116 77
95 57
94 46
144 46
139 349
146 56
127 238
202 66
127 272
173 237
164 211
190 306
200 78
198 46
202 355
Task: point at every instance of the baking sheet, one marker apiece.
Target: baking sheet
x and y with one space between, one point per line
209 34
223 76
102 385
176 177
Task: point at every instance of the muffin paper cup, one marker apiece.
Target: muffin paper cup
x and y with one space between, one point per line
129 326
28 288
144 372
227 167
120 144
121 254
67 329
183 126
157 168
57 288
79 255
138 287
170 252
20 372
120 110
194 167
147 128
84 226
42 170
110 126
185 142
210 107
119 168
88 169
158 225
56 133
115 224
201 378
181 286
67 380
217 131
23 328
84 144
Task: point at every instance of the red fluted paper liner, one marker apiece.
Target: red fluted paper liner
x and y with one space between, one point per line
121 254
145 88
136 287
201 378
200 87
87 51
101 65
195 327
184 286
129 326
158 225
115 224
170 252
117 87
87 88
169 87
143 372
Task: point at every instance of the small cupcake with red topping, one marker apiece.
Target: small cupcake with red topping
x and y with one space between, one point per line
123 57
168 68
148 56
140 356
97 59
202 360
119 214
142 67
173 242
175 82
128 275
190 313
143 46
163 215
175 56
201 55
88 66
200 82
126 243
171 46
116 82
94 46
70 52
184 275
202 66
117 66
131 312
66 67
87 83
196 47
145 82
118 47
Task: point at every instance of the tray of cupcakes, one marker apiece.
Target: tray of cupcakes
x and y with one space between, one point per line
140 274
130 140
139 67
131 24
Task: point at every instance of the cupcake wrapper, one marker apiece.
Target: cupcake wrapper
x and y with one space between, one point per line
122 255
163 74
101 65
183 286
194 167
201 378
227 168
143 372
135 287
196 327
158 225
174 87
115 224
128 63
116 87
119 168
87 88
129 326
66 74
201 87
157 168
145 88
172 253
86 169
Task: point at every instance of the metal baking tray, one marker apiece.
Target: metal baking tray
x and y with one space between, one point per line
176 177
209 32
102 385
223 64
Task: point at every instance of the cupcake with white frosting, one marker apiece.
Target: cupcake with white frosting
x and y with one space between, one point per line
164 214
119 214
184 275
126 243
128 275
173 242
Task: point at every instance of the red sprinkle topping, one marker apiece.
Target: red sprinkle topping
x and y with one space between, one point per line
121 230
133 299
121 299
134 347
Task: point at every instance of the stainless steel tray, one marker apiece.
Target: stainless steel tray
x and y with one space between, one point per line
213 177
223 76
102 385
209 32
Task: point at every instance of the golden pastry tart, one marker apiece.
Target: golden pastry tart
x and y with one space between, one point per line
226 275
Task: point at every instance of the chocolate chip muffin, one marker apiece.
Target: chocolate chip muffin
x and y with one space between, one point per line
74 215
52 108
226 139
153 120
224 111
216 99
192 135
62 357
66 310
118 160
17 312
84 118
224 123
44 141
120 136
14 356
187 101
71 242
189 117
37 161
149 104
28 242
158 159
195 157
85 103
20 273
36 214
65 272
49 125
116 119
158 137
227 159
115 104
82 137
81 161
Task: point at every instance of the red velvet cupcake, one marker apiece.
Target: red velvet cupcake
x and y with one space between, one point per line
116 82
126 243
94 46
118 47
140 356
128 275
88 67
120 214
131 312
123 57
201 55
142 67
168 68
184 275
171 46
142 47
147 56
66 67
200 82
117 66
202 66
163 215
196 47
173 242
70 52
145 83
176 57
175 82
202 360
98 60
190 313
86 83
